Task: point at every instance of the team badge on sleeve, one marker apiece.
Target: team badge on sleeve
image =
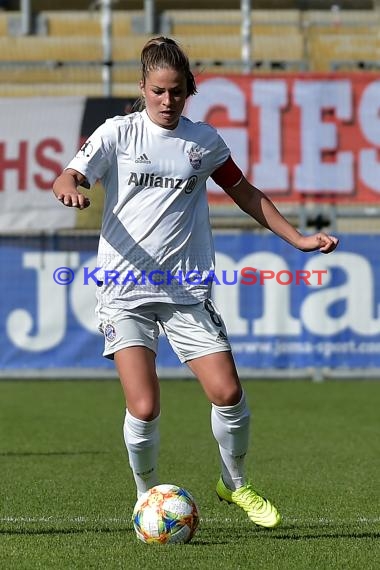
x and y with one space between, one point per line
195 157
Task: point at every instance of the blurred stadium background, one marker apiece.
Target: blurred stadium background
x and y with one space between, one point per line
294 88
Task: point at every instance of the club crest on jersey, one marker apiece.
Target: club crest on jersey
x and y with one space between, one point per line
109 332
195 157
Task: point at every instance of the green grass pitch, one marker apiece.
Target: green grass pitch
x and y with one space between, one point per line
66 492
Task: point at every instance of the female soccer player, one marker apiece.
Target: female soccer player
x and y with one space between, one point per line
154 165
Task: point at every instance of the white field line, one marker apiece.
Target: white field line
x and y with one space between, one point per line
107 520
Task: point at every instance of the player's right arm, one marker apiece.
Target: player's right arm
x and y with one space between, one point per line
90 163
66 191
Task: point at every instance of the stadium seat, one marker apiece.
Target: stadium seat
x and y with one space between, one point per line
194 22
82 89
59 74
340 18
327 47
277 43
88 23
66 23
35 48
3 24
271 46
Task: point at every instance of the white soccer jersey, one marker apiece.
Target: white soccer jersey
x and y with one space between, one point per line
156 237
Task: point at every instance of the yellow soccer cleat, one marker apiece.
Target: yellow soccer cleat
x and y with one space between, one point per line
259 510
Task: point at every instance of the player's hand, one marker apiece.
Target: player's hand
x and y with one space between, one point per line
320 241
74 200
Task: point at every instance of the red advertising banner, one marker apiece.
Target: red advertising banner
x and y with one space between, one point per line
298 136
295 136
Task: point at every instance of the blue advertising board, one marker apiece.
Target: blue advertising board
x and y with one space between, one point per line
284 309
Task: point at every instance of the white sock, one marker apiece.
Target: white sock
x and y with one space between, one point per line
142 442
230 426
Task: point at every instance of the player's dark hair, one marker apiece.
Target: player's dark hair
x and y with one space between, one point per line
161 53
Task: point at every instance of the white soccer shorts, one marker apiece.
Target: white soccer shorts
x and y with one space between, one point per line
192 330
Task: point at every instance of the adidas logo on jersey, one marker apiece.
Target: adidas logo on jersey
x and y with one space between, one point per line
143 159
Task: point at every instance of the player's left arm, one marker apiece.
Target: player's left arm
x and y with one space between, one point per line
257 205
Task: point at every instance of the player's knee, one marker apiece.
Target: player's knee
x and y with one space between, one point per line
228 396
145 411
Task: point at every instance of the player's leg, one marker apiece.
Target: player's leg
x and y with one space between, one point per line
198 335
230 416
230 426
136 367
131 340
137 372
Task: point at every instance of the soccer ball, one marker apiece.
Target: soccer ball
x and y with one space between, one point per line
165 514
